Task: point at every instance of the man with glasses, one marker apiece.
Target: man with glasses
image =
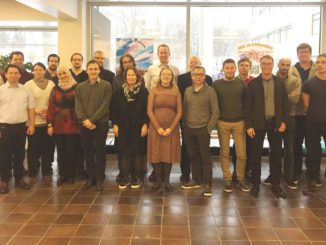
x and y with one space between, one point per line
200 113
266 112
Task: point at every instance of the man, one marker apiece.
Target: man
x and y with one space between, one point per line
200 113
92 103
152 75
105 74
185 81
231 93
76 70
293 88
16 108
244 67
266 111
304 69
17 58
51 72
314 91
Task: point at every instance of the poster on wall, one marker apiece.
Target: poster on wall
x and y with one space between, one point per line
140 48
254 51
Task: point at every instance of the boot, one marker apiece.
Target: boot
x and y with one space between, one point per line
158 176
167 172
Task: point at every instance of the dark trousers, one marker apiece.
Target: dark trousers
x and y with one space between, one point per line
131 165
185 161
39 152
300 131
314 132
12 150
275 146
66 154
197 143
94 143
288 139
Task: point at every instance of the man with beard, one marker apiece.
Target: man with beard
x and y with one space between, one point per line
51 72
76 70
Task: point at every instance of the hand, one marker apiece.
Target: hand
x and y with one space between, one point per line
43 113
92 127
251 132
282 128
30 130
116 130
50 131
167 132
161 131
143 131
87 123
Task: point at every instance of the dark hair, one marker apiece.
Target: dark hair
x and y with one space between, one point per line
92 62
267 56
16 53
54 56
304 46
12 66
121 64
245 59
76 54
163 45
136 72
39 64
228 61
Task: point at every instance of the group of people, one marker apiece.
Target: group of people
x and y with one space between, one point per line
71 108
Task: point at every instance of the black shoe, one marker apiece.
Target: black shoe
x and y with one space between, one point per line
254 192
310 187
296 178
22 185
124 183
278 192
4 188
268 181
318 182
207 191
185 178
99 185
61 180
248 175
190 185
291 184
168 187
152 177
157 186
135 184
119 178
70 181
88 184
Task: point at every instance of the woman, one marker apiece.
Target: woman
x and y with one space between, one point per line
129 119
39 144
164 110
63 124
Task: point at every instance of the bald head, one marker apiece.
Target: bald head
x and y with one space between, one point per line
284 65
194 61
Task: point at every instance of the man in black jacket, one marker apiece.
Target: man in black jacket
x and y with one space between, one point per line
105 74
266 111
185 81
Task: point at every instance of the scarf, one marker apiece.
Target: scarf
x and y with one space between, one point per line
130 93
66 85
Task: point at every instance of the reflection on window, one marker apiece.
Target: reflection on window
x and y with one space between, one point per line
316 24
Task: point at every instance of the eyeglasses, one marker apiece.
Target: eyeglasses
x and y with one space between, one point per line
266 64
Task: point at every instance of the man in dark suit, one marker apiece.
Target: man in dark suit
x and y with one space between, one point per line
105 74
185 81
266 111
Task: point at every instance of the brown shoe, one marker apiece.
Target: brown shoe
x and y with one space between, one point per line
4 187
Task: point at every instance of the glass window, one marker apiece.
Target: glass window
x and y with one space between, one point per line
316 24
35 39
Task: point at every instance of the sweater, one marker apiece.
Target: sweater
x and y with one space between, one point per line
92 101
200 109
231 99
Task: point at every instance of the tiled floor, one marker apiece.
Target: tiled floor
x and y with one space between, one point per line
67 215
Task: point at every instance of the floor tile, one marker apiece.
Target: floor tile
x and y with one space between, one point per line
118 231
261 234
177 232
290 234
147 232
